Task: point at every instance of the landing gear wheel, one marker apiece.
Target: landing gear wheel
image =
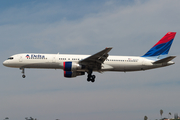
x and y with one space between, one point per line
93 80
88 79
93 76
23 76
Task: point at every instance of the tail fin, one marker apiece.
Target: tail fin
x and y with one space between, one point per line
162 46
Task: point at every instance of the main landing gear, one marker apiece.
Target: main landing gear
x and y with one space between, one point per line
91 77
23 72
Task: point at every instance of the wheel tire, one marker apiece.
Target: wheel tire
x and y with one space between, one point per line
88 79
93 80
23 76
93 76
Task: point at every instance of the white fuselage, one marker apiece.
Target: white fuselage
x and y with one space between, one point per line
55 61
76 65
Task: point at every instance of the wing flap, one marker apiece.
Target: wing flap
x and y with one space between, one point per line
164 60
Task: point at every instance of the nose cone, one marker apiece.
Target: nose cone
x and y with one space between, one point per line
5 63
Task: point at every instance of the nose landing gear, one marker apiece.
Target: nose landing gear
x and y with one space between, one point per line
23 72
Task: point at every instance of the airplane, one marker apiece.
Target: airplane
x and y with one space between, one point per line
76 65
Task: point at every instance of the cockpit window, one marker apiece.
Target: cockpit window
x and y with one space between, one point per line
10 58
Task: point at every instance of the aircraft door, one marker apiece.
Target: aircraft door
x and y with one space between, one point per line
54 59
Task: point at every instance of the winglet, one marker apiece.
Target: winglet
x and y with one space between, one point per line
162 47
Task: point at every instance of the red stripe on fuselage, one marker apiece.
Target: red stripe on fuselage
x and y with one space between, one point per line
64 65
168 37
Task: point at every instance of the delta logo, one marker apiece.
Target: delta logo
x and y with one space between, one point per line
27 56
35 56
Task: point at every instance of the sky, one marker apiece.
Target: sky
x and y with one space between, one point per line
131 27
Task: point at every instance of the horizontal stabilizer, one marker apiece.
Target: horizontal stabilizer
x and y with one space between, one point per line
164 60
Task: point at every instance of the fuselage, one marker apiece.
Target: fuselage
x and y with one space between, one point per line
76 65
55 61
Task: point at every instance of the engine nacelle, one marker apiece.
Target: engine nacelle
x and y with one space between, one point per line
71 74
71 66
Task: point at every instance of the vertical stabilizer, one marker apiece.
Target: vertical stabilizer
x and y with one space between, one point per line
162 46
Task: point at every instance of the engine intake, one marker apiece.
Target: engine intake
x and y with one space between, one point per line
71 66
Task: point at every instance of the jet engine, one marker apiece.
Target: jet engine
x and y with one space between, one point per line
70 74
70 69
71 66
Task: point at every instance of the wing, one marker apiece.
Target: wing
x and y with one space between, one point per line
94 61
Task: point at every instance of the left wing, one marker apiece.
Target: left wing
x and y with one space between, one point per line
95 61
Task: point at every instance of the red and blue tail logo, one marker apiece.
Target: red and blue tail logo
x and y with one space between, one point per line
162 46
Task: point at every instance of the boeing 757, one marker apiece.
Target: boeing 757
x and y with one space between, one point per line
76 65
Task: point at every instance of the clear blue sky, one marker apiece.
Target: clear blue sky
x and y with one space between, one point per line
131 27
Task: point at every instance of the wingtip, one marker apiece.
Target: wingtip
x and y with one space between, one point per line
109 47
